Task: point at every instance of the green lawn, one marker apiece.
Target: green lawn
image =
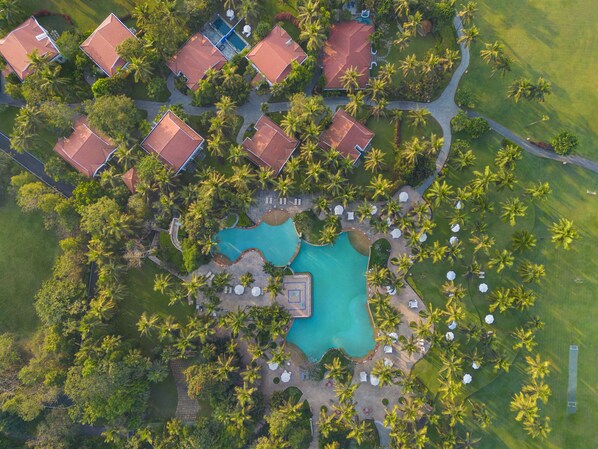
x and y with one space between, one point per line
21 275
566 298
7 119
555 39
86 14
141 297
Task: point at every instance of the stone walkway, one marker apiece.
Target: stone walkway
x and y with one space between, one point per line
186 408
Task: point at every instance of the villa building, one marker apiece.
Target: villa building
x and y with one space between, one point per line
173 141
130 179
273 55
195 58
86 150
347 135
28 37
347 47
101 45
269 146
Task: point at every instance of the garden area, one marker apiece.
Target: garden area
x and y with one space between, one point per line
541 44
565 297
21 275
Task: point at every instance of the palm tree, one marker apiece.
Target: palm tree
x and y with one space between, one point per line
162 283
541 89
235 321
501 299
538 389
439 192
350 79
355 104
345 391
336 370
502 65
511 209
147 323
308 11
540 190
501 260
359 431
536 367
381 187
469 36
401 8
419 117
314 35
249 10
274 287
563 233
524 338
467 12
492 51
374 160
386 374
482 242
409 65
521 88
524 406
530 272
283 185
11 12
468 441
141 69
523 240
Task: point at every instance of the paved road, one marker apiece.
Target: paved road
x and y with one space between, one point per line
535 150
34 166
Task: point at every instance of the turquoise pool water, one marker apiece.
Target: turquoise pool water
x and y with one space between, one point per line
339 305
277 243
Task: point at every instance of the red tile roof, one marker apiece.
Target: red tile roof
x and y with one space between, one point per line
85 149
269 146
101 45
348 46
346 134
195 58
173 141
273 55
131 179
22 41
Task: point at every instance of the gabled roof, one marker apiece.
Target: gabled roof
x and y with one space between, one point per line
101 45
273 55
348 46
173 141
269 146
85 149
195 58
22 41
347 135
131 179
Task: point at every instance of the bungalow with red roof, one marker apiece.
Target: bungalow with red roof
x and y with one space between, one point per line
269 146
28 37
273 55
101 45
173 141
85 150
130 179
347 135
195 58
347 47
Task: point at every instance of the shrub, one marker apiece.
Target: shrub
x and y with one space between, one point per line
564 142
276 380
262 30
464 98
157 89
474 127
385 402
288 17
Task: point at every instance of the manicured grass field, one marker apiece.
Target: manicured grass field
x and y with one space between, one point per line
86 14
29 251
7 119
555 39
566 303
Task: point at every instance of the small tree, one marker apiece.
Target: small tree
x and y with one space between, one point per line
564 142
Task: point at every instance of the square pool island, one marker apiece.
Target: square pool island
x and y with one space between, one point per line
296 295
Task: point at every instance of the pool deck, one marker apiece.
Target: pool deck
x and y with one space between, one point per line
368 398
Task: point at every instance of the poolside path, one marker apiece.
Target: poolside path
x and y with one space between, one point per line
187 407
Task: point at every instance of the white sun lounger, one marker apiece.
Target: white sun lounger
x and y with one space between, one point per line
413 304
387 349
350 216
363 376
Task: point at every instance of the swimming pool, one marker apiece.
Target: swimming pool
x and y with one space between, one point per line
233 38
278 244
339 306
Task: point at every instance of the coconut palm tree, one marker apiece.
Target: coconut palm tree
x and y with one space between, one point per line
540 190
530 272
314 35
463 159
345 391
501 260
336 370
492 51
502 65
501 299
359 431
511 209
536 367
418 117
521 88
141 69
507 156
467 12
374 160
162 282
409 65
350 79
564 233
439 192
308 11
482 242
147 323
469 36
524 338
283 185
522 241
381 187
541 89
236 321
356 103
